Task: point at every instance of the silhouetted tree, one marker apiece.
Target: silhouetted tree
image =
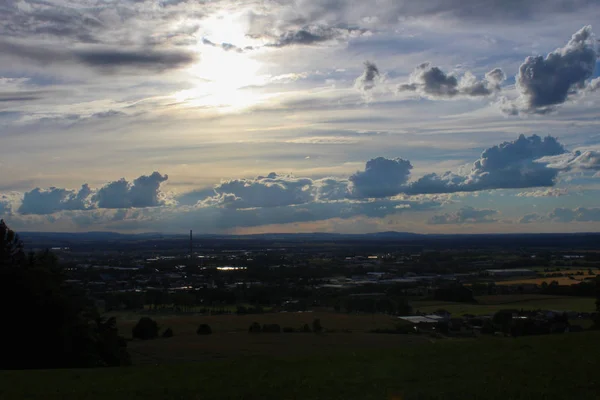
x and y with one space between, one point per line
54 324
145 329
316 326
255 328
597 319
204 329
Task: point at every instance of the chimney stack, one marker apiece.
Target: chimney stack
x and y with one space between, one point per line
191 246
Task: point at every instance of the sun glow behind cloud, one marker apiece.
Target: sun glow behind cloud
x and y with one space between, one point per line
224 79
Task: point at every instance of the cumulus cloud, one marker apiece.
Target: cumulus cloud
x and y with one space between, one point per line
369 77
382 177
48 201
466 215
433 83
272 190
5 205
544 83
531 218
142 192
510 165
581 214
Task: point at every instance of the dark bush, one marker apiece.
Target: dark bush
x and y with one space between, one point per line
145 329
317 327
288 329
255 328
271 328
306 329
168 333
204 329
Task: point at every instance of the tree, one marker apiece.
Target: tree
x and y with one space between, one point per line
597 319
316 326
255 328
204 329
54 324
145 329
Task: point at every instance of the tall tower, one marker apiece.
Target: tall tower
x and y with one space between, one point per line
191 246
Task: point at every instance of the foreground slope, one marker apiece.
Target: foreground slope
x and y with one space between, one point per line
542 367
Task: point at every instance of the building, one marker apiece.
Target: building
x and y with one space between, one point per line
503 273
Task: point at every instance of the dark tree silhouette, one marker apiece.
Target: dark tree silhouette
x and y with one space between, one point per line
204 329
145 329
49 323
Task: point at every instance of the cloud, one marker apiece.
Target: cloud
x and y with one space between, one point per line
382 177
554 192
530 218
6 205
581 214
433 83
153 59
315 34
544 83
466 215
225 46
142 192
105 59
510 165
369 77
576 161
272 190
40 201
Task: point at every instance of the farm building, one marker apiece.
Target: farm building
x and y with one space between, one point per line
510 272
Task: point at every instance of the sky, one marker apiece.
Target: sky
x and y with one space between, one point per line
437 116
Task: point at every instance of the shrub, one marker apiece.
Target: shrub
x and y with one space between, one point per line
288 329
204 329
255 328
271 328
306 328
145 329
317 327
168 333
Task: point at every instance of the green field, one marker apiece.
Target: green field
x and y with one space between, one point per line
543 367
490 304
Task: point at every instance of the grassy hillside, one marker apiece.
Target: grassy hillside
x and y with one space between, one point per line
543 367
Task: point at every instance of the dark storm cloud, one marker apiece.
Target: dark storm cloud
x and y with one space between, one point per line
545 82
382 177
431 82
367 80
466 215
